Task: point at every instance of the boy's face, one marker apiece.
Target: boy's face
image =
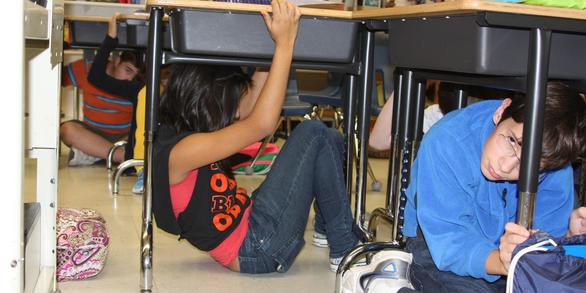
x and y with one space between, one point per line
501 154
124 70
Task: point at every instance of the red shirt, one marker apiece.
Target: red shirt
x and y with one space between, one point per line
101 110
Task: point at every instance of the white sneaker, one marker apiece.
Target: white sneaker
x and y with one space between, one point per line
335 261
319 240
388 271
79 158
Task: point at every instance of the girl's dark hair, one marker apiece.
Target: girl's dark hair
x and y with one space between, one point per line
203 98
564 126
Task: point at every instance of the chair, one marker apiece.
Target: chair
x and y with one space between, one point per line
114 175
331 96
110 158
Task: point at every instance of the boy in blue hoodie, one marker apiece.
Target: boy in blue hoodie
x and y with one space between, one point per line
462 199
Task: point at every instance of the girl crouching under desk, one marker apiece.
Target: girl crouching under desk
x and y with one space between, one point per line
209 113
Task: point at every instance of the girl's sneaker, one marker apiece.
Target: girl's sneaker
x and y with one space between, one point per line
138 187
335 261
320 240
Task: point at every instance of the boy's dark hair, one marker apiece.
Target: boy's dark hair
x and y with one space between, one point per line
564 125
135 59
203 98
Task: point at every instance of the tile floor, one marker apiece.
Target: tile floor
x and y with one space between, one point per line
179 267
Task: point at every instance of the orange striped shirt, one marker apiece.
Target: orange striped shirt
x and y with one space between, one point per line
101 110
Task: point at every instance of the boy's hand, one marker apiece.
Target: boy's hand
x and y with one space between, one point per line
577 222
113 25
514 235
284 22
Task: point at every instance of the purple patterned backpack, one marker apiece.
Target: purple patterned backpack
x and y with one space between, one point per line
82 244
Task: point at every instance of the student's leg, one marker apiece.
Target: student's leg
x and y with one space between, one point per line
74 134
310 164
426 277
319 224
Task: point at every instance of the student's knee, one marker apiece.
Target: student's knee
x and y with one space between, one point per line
67 130
313 128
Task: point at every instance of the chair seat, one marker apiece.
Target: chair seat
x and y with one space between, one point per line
334 101
294 107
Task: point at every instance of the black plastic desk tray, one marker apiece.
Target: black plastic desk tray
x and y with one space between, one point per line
459 44
131 34
244 34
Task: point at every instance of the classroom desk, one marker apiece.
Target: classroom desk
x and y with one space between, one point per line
493 39
329 39
88 31
481 43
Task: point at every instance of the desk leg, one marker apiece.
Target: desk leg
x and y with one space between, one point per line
538 67
154 55
394 150
386 213
582 182
364 106
416 128
404 151
349 131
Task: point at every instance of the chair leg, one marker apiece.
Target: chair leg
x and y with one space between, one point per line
288 123
115 183
375 185
111 152
338 118
249 170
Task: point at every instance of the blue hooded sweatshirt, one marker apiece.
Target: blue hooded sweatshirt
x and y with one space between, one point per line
462 214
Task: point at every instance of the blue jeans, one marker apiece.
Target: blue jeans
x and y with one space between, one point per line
426 277
308 167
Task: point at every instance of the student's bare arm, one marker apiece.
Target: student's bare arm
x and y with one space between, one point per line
113 25
248 101
380 137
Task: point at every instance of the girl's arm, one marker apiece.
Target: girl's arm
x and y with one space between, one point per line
200 149
247 102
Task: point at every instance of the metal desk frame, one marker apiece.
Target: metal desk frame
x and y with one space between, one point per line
360 75
408 115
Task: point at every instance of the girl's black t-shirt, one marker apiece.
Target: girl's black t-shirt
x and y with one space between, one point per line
216 206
